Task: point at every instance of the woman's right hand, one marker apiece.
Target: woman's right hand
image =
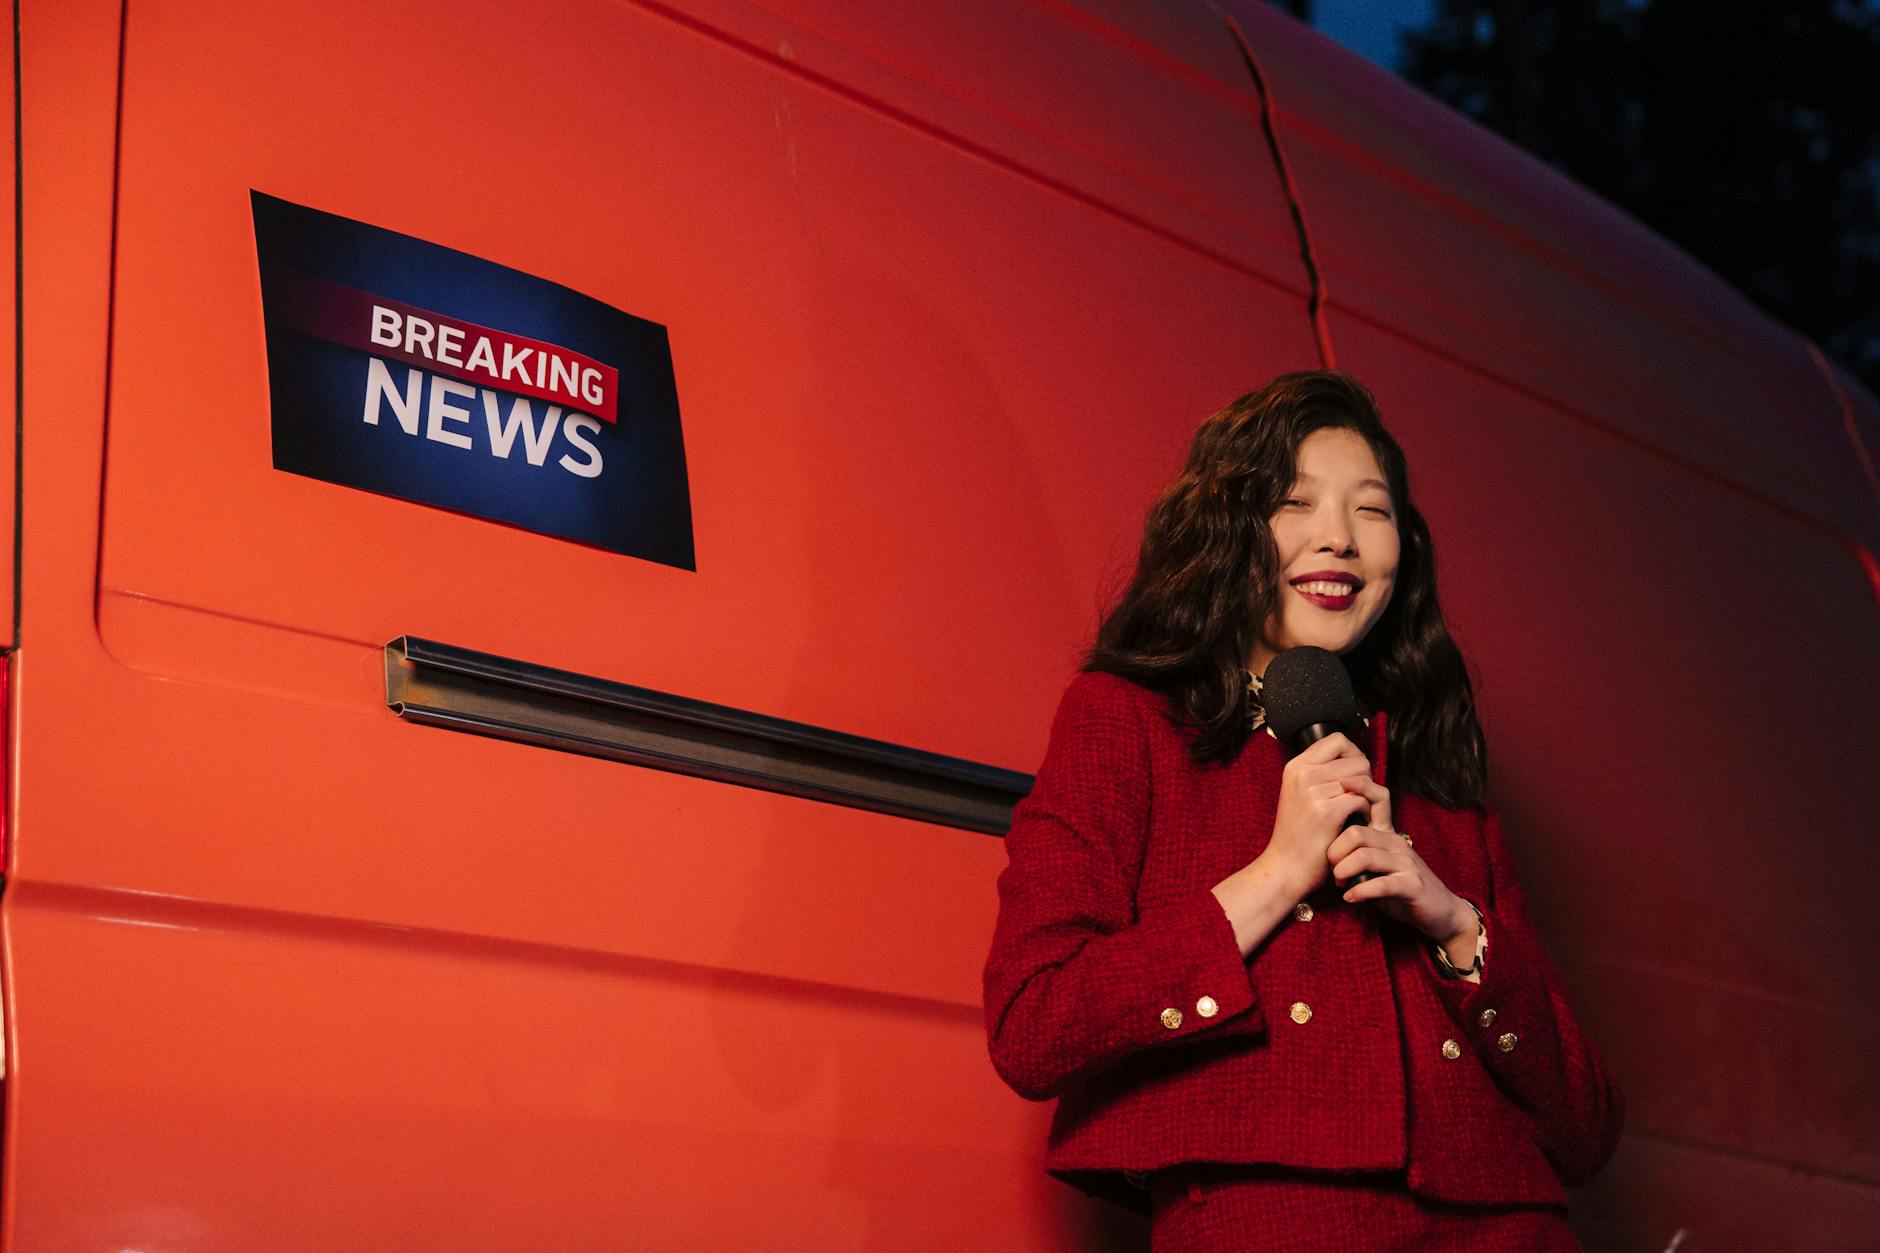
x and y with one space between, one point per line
1314 804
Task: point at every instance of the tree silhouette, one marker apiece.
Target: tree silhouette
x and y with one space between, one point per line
1749 134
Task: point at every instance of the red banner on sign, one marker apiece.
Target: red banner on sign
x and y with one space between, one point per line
437 341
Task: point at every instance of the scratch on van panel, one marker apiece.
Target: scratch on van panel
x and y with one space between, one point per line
785 119
786 128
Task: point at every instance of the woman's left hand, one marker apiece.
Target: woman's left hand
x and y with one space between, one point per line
1405 887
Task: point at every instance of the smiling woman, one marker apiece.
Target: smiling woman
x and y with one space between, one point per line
1249 1042
1298 483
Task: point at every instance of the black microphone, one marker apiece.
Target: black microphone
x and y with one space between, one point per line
1308 696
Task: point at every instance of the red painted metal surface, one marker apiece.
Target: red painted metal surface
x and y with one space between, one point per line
947 291
9 358
1657 542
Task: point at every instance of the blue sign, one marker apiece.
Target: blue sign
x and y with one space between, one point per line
413 370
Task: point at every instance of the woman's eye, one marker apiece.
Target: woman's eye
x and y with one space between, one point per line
1292 500
1378 510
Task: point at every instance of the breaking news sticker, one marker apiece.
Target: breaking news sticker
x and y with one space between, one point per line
414 370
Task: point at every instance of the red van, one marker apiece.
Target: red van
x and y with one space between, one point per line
404 856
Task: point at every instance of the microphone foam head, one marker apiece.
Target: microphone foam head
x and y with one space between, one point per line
1304 686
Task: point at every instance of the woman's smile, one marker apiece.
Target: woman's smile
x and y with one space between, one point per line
1328 589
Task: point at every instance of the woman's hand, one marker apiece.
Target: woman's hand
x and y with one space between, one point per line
1318 793
1405 887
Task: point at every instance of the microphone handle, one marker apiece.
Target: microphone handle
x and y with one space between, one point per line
1363 876
1304 739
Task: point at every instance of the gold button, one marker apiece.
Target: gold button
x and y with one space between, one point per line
1207 1007
1451 1050
1303 912
1301 1012
1506 1043
1171 1018
1488 1018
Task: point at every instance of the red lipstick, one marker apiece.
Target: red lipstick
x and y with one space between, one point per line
1323 583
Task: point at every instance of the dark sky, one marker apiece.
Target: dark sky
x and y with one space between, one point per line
1788 211
1370 27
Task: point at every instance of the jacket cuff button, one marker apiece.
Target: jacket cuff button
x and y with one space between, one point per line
1451 1050
1172 1018
1207 1007
1506 1043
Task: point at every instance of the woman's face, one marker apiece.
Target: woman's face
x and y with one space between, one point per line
1336 534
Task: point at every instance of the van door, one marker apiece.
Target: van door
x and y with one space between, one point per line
294 970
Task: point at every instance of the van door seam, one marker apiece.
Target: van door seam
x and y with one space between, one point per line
1314 276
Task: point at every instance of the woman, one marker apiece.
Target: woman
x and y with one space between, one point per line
1248 1043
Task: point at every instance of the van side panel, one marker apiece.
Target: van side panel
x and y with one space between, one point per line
838 324
68 69
1668 838
287 972
1656 552
9 356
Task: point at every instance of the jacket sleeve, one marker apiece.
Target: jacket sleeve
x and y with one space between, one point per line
1076 979
1521 1025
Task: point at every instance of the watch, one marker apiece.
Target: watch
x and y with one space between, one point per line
1481 946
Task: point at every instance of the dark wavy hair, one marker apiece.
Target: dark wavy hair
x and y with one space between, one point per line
1207 579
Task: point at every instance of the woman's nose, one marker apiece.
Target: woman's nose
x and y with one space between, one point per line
1335 535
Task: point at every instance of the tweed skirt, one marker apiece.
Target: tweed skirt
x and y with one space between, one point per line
1239 1209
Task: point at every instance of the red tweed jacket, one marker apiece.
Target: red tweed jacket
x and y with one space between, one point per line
1339 1045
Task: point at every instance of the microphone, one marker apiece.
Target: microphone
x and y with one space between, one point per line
1308 696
